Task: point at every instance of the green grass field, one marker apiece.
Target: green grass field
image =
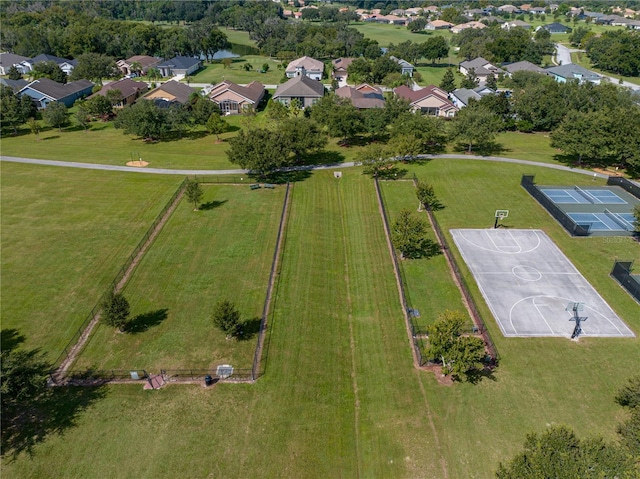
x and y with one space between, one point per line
223 251
340 396
214 73
65 235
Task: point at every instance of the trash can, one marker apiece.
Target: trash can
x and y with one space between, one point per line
208 380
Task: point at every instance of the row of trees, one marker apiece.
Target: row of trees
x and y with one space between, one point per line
68 33
616 51
498 45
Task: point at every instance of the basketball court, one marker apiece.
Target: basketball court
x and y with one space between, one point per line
532 288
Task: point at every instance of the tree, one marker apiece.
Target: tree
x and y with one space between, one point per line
580 134
99 106
302 136
34 126
417 25
14 73
115 311
376 161
492 82
470 81
216 125
408 235
636 214
114 97
136 68
558 452
178 118
82 115
201 109
14 109
448 82
226 317
474 126
153 74
55 114
259 150
435 48
94 66
265 68
629 394
276 110
194 193
143 119
49 70
339 116
429 134
426 195
459 354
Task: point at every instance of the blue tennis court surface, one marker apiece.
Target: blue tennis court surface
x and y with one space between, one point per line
605 221
583 196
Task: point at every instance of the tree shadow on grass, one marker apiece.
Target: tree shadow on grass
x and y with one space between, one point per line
284 176
249 329
474 376
10 339
54 137
485 149
55 411
143 322
211 205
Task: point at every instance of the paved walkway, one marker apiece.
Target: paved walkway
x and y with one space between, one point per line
349 164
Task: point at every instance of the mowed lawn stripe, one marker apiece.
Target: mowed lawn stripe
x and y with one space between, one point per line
65 235
223 251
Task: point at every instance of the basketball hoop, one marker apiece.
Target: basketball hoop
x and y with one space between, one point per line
500 215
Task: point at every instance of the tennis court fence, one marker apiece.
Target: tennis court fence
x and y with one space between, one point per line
575 229
625 185
621 272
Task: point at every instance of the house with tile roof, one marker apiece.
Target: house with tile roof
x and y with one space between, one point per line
466 26
340 67
438 25
170 93
305 66
44 91
362 96
129 90
523 66
145 61
301 88
234 99
430 100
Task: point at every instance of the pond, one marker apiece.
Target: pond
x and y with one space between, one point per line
236 50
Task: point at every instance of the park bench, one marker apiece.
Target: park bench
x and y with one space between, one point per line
255 186
269 185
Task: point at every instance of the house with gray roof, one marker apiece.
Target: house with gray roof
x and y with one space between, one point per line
179 66
65 65
523 66
301 88
462 96
406 68
44 91
571 71
555 27
129 90
7 60
233 98
15 85
482 68
511 24
170 93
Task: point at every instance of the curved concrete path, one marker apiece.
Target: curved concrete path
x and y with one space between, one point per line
349 164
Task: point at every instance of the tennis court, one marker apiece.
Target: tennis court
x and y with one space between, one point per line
528 283
607 221
583 196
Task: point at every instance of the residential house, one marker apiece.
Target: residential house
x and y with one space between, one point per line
474 13
15 85
509 9
537 11
412 12
170 93
65 65
571 71
511 24
44 91
431 9
555 27
363 96
511 68
179 66
431 100
406 68
488 20
7 60
146 63
305 66
301 88
481 67
340 67
438 25
462 96
129 90
233 98
465 26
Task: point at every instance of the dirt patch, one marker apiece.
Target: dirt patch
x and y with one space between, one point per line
138 163
436 369
608 172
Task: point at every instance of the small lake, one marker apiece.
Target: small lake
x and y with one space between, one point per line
235 51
